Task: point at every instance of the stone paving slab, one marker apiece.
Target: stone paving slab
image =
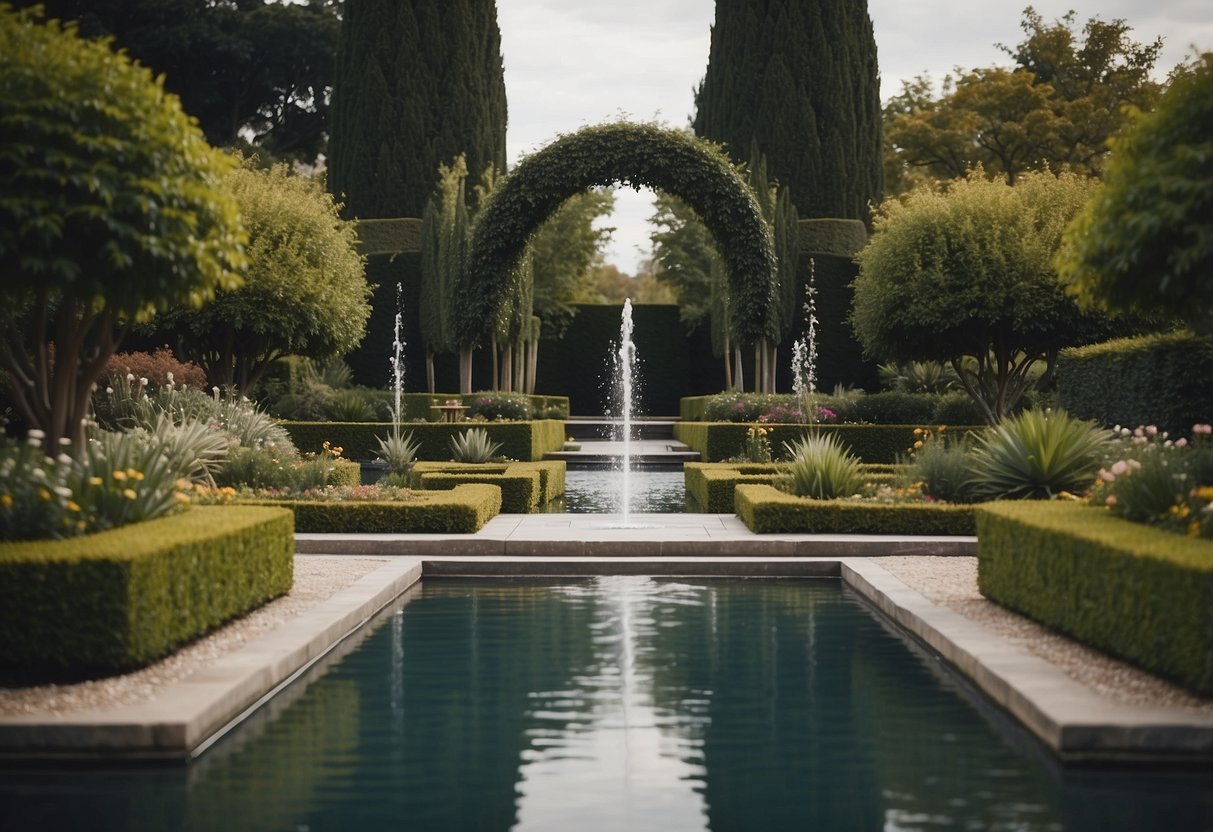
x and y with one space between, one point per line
1074 722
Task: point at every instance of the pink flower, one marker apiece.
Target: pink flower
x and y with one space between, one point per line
1111 501
1106 476
1119 467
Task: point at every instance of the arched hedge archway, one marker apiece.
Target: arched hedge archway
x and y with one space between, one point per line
639 155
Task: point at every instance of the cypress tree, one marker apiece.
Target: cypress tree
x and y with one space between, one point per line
800 78
417 83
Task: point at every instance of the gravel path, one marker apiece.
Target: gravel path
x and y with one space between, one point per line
316 579
952 582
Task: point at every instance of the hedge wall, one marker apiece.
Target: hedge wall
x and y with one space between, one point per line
710 485
525 441
462 510
1137 592
120 599
767 510
718 441
525 486
1163 380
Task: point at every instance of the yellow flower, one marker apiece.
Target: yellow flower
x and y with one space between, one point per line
72 505
1194 528
133 474
44 495
95 481
918 431
918 445
130 494
183 499
1205 492
6 500
120 476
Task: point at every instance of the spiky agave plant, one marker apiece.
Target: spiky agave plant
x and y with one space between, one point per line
820 466
399 451
474 445
1036 454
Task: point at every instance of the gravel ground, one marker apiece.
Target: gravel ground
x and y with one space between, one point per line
316 579
952 582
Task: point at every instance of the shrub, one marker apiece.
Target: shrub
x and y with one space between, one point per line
350 406
462 510
1036 454
399 451
957 409
895 408
122 598
765 510
159 368
821 467
473 445
491 406
945 470
919 377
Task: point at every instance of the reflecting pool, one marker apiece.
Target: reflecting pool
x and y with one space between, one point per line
621 703
597 491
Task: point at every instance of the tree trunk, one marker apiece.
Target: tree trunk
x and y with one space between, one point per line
493 352
465 369
429 371
533 366
738 370
507 369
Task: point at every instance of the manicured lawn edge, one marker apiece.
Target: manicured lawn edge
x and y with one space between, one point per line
462 510
1139 593
767 510
526 441
120 599
524 485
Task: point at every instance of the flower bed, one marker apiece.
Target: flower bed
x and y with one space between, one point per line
526 441
719 441
462 510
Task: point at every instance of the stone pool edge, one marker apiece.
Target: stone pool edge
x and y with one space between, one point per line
1073 722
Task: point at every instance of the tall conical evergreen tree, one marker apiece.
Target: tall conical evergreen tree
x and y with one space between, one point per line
800 78
417 83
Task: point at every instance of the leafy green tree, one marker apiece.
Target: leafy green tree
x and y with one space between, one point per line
256 72
1056 107
305 290
1144 243
112 209
417 83
444 238
964 274
684 251
564 251
799 78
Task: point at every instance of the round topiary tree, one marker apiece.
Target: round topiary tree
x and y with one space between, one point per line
113 208
638 155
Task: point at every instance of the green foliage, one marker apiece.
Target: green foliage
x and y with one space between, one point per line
717 441
462 510
305 290
964 274
635 154
684 251
120 599
895 408
563 251
799 79
957 409
756 447
710 485
269 66
473 445
945 470
444 239
767 510
415 85
1160 380
821 467
1130 590
1144 243
1056 109
514 478
399 451
1036 454
519 440
88 235
919 377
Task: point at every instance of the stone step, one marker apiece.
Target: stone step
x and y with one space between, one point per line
607 429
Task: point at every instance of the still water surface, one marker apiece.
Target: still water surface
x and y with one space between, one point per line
621 703
597 491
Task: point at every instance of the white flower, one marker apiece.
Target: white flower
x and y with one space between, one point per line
62 490
64 459
143 382
34 433
130 376
109 391
64 441
169 376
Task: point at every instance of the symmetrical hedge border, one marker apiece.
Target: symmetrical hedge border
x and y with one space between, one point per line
525 486
710 485
120 599
1137 592
718 441
418 407
462 510
525 441
1163 380
631 154
767 510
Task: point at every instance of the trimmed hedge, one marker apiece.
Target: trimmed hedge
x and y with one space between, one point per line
462 510
417 407
718 441
123 598
345 472
1163 380
525 441
524 485
710 485
767 510
1137 592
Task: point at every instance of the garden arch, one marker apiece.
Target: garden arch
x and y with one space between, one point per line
692 169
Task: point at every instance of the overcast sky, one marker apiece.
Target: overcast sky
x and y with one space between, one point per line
571 63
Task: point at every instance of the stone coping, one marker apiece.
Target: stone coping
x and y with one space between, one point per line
182 721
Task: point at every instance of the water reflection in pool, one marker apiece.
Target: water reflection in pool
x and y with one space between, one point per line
596 491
